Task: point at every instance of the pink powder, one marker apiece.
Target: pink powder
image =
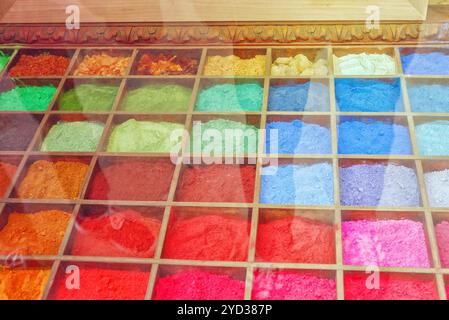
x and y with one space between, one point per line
287 285
386 243
442 233
199 285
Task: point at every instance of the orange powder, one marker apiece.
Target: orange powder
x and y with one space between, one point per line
23 284
6 172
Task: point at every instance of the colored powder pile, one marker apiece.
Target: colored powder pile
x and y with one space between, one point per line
296 240
298 65
297 184
23 284
235 66
217 183
132 180
102 284
368 95
297 137
379 185
288 285
208 237
29 98
373 137
385 243
436 63
144 136
53 180
231 98
391 287
429 98
364 64
309 96
17 132
120 234
4 59
157 98
37 233
7 172
102 65
442 234
433 138
88 97
198 285
166 64
436 185
224 137
44 64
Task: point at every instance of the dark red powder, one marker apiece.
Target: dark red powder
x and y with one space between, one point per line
41 65
122 234
209 237
217 183
6 173
296 239
132 180
16 132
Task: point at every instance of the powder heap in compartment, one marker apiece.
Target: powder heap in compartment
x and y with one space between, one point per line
126 233
23 283
17 132
379 185
364 64
433 138
442 234
231 98
371 136
7 171
217 183
44 64
429 97
28 98
290 285
75 136
223 137
385 243
296 240
437 190
297 137
196 284
102 65
391 287
298 65
37 233
88 97
298 184
233 65
166 64
4 59
157 98
102 283
53 180
368 95
208 237
309 96
132 180
432 63
145 136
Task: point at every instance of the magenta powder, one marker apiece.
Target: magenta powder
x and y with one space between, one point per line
288 285
442 233
386 243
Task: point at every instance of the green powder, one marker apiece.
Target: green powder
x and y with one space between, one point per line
157 98
221 136
4 59
231 98
77 136
145 136
27 98
88 97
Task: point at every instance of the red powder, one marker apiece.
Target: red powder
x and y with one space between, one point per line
133 180
391 287
199 285
42 65
209 237
102 284
6 173
217 183
122 234
295 239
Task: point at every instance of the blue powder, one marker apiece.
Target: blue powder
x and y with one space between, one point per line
298 137
309 96
362 95
434 63
429 98
297 184
373 137
433 138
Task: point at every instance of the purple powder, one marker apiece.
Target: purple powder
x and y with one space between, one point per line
432 63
